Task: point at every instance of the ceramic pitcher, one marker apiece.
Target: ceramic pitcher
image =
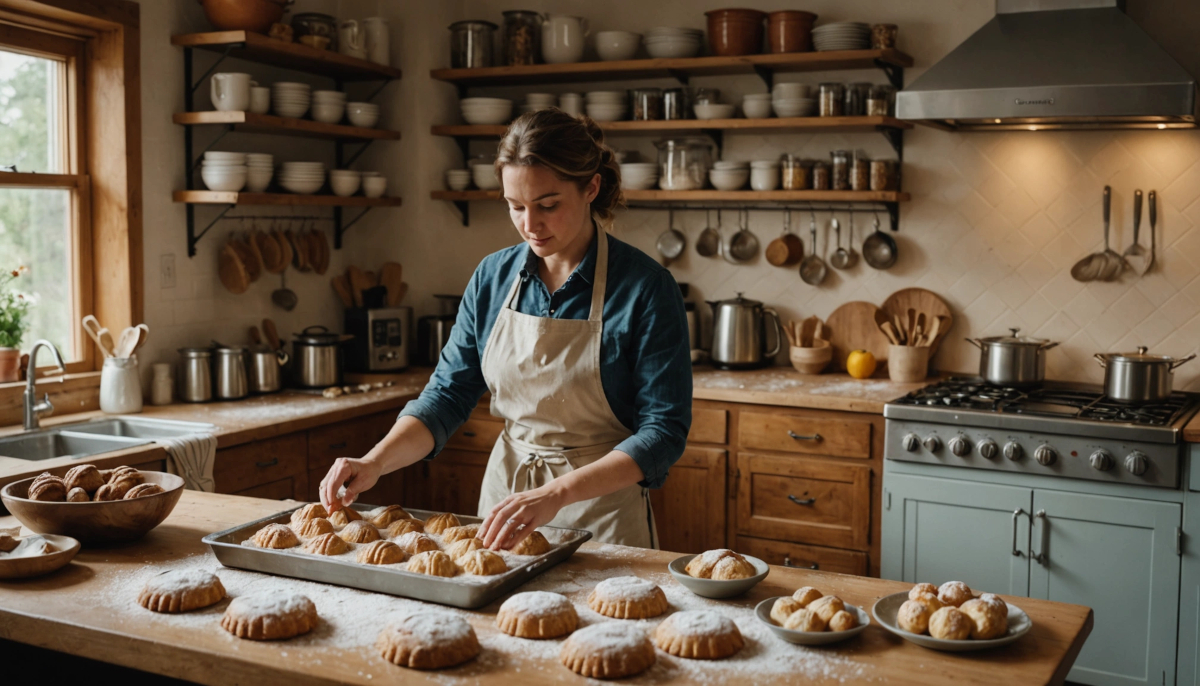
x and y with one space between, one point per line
562 38
351 40
230 92
378 49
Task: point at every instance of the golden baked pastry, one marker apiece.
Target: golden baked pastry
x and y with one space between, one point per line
699 634
628 597
438 523
482 562
920 589
383 516
996 602
843 621
122 484
314 527
459 548
428 639
359 531
327 544
270 616
414 543
458 533
181 591
537 614
403 526
609 650
913 617
380 553
930 602
733 568
533 544
8 543
433 563
804 619
701 566
112 491
47 488
986 620
309 511
783 608
143 490
344 516
84 476
807 594
954 593
827 607
78 495
277 536
951 624
125 472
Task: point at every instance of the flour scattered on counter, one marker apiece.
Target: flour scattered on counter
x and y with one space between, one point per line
864 387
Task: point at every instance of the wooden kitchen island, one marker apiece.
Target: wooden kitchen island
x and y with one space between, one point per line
90 609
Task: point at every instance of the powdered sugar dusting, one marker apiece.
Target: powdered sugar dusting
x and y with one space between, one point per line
625 588
700 623
434 627
608 638
267 603
536 604
180 580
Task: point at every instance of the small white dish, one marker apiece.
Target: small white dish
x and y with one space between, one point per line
713 111
717 589
886 608
374 186
810 638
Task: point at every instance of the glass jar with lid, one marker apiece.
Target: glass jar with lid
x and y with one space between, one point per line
839 166
647 104
676 104
471 44
884 176
880 100
860 172
820 176
854 103
522 37
795 173
683 163
829 99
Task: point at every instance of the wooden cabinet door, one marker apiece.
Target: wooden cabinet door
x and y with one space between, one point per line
256 463
451 482
689 510
936 530
822 502
1117 556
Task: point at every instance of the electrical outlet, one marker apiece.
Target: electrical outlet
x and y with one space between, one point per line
166 271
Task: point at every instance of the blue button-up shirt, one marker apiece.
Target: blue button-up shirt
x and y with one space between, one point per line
645 363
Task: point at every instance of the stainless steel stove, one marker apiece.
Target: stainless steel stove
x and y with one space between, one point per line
1056 429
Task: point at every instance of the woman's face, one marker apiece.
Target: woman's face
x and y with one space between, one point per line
549 213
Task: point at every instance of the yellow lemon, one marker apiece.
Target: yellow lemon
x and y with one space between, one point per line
860 364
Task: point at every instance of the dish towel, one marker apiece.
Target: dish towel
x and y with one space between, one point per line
192 457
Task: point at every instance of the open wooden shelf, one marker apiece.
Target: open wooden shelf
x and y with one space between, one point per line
234 198
711 195
668 68
249 122
777 125
256 47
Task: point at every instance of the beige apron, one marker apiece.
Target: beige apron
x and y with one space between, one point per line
544 376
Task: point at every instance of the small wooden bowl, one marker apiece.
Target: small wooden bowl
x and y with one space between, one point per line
113 521
37 565
812 360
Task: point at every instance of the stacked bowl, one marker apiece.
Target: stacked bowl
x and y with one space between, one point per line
304 178
617 45
793 100
538 101
639 176
673 41
458 179
224 171
344 182
373 184
290 99
483 173
757 105
328 107
729 176
713 110
606 105
842 35
260 168
364 114
486 110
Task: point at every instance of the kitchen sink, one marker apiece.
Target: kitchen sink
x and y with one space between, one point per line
139 427
95 437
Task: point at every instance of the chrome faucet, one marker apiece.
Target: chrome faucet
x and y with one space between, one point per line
34 409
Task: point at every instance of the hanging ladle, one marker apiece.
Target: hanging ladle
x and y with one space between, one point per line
744 244
672 241
840 259
709 241
879 250
812 267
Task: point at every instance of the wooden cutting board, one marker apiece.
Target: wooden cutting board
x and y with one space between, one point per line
921 300
391 277
852 327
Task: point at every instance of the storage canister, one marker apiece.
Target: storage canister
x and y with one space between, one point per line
230 370
735 31
120 386
860 172
195 375
829 99
471 44
647 104
522 37
317 358
839 164
790 31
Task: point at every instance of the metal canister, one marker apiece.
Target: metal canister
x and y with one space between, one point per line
195 375
317 358
230 370
266 370
471 44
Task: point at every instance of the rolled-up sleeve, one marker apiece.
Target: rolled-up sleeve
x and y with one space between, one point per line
662 374
457 383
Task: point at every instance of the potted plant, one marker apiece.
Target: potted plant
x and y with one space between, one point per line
14 311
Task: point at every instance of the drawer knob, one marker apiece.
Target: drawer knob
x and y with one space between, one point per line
268 463
469 434
798 437
801 501
787 562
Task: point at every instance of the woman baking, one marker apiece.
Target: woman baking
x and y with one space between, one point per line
581 340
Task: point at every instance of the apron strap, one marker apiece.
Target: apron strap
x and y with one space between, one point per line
600 278
530 465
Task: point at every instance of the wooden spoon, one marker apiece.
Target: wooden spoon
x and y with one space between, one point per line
359 282
885 325
272 334
808 329
255 336
391 276
901 332
790 331
285 250
341 286
935 328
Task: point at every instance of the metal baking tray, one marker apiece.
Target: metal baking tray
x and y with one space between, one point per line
227 547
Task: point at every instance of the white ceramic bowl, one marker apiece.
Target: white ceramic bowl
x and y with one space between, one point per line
258 157
811 638
215 155
730 164
795 108
329 95
257 180
458 179
344 185
756 109
292 111
328 114
487 113
617 45
542 99
362 114
301 187
224 179
717 589
729 179
485 101
791 90
484 176
374 186
303 165
605 97
605 114
713 111
673 49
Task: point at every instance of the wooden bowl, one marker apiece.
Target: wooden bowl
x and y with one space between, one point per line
812 360
114 521
37 565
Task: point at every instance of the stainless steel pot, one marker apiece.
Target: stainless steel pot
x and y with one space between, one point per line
230 369
1138 377
1012 360
266 370
739 339
317 358
195 375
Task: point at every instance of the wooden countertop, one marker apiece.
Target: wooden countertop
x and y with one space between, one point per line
90 609
785 386
1191 430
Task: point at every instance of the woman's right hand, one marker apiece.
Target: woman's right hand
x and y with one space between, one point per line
357 475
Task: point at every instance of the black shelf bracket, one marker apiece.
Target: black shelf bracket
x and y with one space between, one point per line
767 75
192 237
464 208
680 76
893 210
340 229
895 137
894 74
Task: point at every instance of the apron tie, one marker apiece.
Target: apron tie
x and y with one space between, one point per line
532 463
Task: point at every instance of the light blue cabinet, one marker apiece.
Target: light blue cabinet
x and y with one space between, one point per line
1189 594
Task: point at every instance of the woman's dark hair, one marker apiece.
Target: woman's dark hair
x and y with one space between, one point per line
573 148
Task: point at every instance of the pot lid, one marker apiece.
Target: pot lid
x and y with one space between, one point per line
1014 340
317 335
196 352
1140 356
739 301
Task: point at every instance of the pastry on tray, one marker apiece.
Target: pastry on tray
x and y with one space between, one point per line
438 523
359 531
537 614
277 536
270 616
380 553
428 639
482 562
413 543
533 544
458 533
628 597
609 650
181 591
458 549
699 634
344 516
403 526
433 563
314 527
327 544
309 511
384 516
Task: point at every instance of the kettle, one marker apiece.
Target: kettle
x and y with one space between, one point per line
739 339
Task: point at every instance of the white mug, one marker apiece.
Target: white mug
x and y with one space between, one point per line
260 99
562 38
350 39
230 92
378 49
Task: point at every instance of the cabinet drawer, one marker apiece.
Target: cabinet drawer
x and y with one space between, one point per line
260 462
804 556
795 433
283 489
802 500
351 438
476 434
708 426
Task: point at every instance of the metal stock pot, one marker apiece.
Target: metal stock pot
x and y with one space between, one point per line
1012 360
317 358
1138 377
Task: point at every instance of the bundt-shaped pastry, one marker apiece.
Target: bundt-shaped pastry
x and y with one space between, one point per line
143 490
537 614
344 516
609 650
309 511
277 536
533 544
428 639
383 516
438 523
433 563
181 591
270 616
359 531
402 526
414 543
482 562
380 553
628 597
327 544
314 527
458 533
699 634
47 488
459 548
85 476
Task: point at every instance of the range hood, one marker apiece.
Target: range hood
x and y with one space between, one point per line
1054 64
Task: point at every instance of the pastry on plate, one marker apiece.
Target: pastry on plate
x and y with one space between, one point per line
428 639
314 527
807 594
84 476
309 511
628 597
804 619
344 516
459 548
930 602
701 566
433 563
413 543
920 589
537 614
380 553
783 608
403 526
276 536
732 567
8 542
533 544
996 602
382 517
181 591
699 634
951 624
954 593
270 615
843 621
327 544
986 620
359 531
609 650
826 607
458 533
913 617
438 523
482 562
143 490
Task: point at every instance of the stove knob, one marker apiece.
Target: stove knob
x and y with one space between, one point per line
1045 455
988 448
1013 451
1101 460
1136 463
959 446
911 442
932 443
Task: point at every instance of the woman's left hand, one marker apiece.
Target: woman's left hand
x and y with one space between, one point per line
515 517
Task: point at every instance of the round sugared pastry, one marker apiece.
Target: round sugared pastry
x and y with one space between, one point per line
47 488
181 591
327 544
78 495
458 533
314 527
438 523
996 602
403 526
922 588
270 616
8 543
459 548
783 608
701 566
482 562
84 476
537 614
344 516
309 511
609 650
143 490
807 594
843 621
125 472
954 593
827 607
913 617
359 531
699 634
413 543
733 568
804 619
380 553
951 624
382 517
986 620
628 597
930 602
433 563
428 639
277 536
533 544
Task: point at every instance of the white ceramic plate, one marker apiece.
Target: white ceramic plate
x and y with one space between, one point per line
810 638
717 589
887 607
